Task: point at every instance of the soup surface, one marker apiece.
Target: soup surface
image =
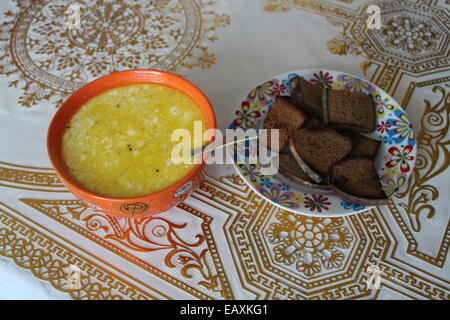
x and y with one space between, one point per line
119 143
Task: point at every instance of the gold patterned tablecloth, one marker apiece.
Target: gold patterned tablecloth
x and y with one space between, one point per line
222 243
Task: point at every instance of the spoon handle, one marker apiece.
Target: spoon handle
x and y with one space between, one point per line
220 143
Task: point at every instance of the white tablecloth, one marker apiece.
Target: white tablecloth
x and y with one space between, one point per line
226 48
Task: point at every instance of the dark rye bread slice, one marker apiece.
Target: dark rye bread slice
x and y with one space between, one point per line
316 150
362 145
307 96
350 110
355 179
285 116
291 170
313 122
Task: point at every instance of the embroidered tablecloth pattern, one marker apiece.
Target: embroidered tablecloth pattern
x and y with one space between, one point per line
224 242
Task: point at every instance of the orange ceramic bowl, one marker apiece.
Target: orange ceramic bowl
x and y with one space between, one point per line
137 206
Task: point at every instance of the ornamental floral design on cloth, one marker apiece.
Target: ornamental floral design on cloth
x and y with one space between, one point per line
344 43
47 61
318 203
409 34
181 252
277 5
157 234
400 158
351 205
278 193
382 104
322 79
355 84
246 116
401 128
264 92
310 243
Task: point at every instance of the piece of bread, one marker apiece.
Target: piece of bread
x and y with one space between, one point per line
313 122
318 150
355 179
362 145
350 110
307 95
285 116
283 135
291 170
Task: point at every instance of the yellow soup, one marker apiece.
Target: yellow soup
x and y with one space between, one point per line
119 143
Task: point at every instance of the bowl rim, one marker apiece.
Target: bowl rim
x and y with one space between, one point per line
63 173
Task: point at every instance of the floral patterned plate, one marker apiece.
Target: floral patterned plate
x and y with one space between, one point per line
394 162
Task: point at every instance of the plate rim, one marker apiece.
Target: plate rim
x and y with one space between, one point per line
325 214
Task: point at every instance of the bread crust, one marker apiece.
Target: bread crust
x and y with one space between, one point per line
362 146
308 170
358 200
313 166
274 121
351 194
299 180
300 97
325 106
338 94
296 92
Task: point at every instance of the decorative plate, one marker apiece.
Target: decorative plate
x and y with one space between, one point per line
394 162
